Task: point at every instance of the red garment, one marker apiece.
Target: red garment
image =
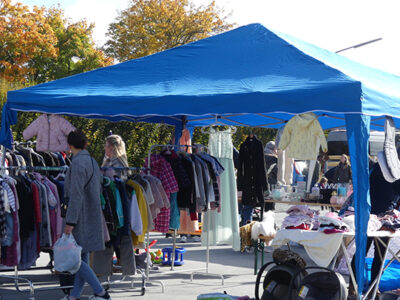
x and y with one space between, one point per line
333 230
161 223
302 227
193 217
36 201
161 169
37 212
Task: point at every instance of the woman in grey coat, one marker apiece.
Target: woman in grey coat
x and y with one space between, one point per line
84 215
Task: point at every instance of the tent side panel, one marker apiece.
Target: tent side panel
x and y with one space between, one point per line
358 127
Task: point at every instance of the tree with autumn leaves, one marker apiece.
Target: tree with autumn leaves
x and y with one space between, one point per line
40 44
150 26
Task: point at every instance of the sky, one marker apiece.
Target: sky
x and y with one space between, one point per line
332 25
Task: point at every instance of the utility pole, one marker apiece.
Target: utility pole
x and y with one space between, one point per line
360 45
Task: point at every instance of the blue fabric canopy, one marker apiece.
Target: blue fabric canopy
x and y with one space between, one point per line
248 76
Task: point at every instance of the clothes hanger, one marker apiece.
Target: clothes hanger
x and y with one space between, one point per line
61 175
107 181
216 123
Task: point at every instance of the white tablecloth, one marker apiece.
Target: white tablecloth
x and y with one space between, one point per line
320 247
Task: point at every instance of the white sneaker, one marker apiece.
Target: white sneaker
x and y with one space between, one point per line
94 297
183 239
196 238
65 298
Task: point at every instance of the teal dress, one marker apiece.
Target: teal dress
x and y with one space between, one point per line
224 225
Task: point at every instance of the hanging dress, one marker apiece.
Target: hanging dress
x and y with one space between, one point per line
224 225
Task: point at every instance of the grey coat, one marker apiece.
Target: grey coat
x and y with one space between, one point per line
84 207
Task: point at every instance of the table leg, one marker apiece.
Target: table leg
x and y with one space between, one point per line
262 252
255 258
378 278
348 262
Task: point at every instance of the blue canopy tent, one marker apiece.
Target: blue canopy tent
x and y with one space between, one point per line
249 76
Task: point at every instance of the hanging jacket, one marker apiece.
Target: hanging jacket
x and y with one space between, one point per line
51 132
251 172
138 240
301 136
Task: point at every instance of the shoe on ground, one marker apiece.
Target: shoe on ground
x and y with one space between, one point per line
66 297
183 239
106 296
196 238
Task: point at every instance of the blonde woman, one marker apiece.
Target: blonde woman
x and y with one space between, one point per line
115 156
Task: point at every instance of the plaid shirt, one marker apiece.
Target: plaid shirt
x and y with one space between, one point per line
161 223
161 169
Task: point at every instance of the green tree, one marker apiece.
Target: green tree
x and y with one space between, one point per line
150 26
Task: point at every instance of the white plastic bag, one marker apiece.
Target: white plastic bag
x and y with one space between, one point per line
67 254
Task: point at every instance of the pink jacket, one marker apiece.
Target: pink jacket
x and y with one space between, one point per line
51 132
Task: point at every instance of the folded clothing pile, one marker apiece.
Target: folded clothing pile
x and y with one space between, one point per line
300 217
349 211
390 221
332 223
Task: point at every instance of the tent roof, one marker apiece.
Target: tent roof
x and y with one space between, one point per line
238 75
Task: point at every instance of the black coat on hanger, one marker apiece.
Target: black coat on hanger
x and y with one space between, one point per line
252 180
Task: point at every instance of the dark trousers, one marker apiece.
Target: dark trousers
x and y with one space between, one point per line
376 263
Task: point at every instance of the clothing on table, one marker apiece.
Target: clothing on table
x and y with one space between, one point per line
223 227
301 135
51 132
251 175
300 217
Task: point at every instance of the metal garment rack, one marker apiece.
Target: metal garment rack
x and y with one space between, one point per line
31 289
198 146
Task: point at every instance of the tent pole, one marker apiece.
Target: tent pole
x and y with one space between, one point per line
358 126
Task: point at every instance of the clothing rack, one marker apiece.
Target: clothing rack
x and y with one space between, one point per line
197 146
31 288
29 168
124 168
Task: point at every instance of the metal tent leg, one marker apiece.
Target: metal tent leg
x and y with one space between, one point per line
208 255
